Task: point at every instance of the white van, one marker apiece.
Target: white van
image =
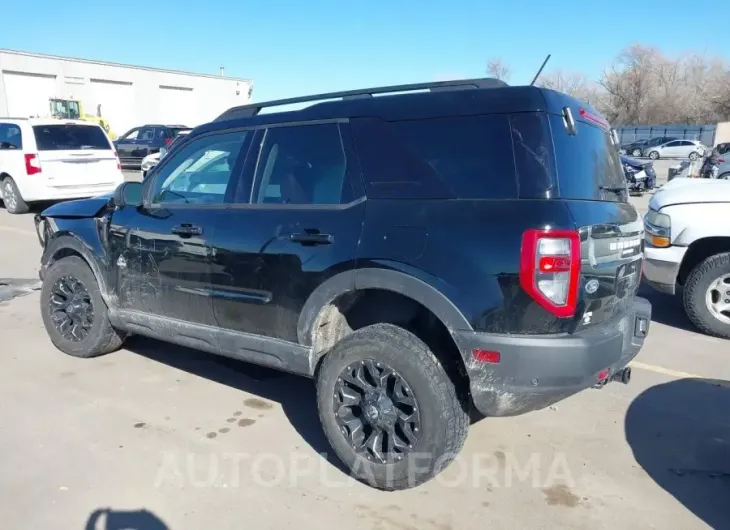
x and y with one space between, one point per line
48 160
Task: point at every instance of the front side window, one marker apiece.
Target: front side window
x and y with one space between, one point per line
302 164
131 135
198 173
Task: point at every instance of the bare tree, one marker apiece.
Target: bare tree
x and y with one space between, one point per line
498 69
644 86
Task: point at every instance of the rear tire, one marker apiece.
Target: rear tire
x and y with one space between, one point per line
12 198
438 421
724 176
654 155
74 313
697 289
693 156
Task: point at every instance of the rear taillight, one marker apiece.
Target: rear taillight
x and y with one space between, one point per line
119 164
32 164
550 269
167 141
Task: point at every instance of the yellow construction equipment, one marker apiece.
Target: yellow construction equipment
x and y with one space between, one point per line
73 109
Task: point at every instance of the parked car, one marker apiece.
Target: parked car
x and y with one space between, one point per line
640 147
48 160
691 149
640 174
723 161
410 252
688 246
153 159
139 142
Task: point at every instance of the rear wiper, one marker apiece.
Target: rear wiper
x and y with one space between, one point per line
613 189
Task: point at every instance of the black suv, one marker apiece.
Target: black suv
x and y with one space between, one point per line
139 142
421 251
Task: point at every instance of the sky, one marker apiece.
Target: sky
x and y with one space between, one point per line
297 47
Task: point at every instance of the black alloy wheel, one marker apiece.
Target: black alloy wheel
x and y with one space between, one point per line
71 309
376 411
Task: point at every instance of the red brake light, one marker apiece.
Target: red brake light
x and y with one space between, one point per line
550 269
32 164
167 141
721 160
592 117
119 163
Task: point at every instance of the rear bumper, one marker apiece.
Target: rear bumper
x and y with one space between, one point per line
535 372
46 191
661 267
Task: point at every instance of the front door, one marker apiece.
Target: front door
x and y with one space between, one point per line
126 145
160 250
298 224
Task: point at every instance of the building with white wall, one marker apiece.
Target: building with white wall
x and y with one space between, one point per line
128 96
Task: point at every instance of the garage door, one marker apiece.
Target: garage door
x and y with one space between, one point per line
28 94
176 105
117 103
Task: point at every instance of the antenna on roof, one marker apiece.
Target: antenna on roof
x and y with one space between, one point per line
540 70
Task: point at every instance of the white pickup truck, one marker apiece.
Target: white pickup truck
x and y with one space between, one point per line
688 246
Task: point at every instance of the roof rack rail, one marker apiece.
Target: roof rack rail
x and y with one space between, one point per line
244 111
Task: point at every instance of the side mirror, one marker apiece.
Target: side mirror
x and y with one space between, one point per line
128 194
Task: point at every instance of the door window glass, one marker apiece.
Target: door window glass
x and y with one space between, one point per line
303 164
146 134
10 136
198 173
131 135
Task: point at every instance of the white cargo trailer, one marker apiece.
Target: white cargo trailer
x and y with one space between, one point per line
127 96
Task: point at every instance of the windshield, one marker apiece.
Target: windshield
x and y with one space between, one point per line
588 164
67 137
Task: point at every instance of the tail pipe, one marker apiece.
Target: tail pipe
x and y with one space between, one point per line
622 376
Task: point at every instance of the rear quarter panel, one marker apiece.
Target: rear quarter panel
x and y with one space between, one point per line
469 250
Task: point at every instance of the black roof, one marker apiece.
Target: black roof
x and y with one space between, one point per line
417 101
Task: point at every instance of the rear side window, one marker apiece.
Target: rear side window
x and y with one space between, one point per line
10 136
588 163
304 164
453 157
68 137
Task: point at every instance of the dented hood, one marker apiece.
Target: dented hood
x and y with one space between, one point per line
79 208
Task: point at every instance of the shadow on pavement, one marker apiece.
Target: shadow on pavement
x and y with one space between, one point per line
679 433
108 519
297 395
667 309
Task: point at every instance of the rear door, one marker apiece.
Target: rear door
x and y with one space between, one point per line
299 224
672 149
592 184
72 154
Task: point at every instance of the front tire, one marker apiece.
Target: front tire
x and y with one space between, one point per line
707 295
74 313
654 155
636 153
12 198
388 408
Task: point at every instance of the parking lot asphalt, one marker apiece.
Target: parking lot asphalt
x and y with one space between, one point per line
162 437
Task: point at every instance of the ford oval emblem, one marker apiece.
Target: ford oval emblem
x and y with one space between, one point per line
591 286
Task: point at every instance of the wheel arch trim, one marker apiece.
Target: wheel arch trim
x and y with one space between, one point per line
378 278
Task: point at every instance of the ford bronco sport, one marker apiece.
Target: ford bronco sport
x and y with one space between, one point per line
421 251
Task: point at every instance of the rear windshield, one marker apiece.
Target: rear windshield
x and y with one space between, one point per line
65 137
588 163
